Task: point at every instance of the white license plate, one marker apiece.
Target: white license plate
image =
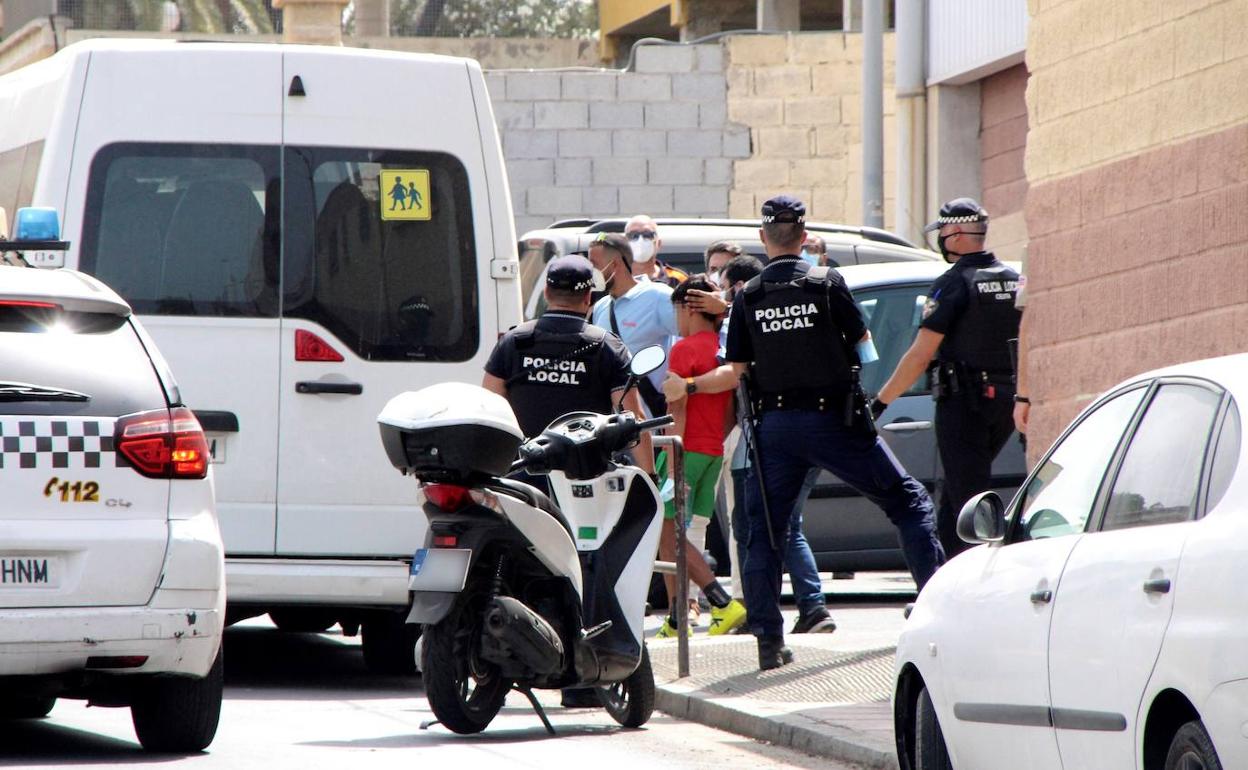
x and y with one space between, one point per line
439 569
30 571
216 447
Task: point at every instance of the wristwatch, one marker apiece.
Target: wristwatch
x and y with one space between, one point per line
1021 399
691 387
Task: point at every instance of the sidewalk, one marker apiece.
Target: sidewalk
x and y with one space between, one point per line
832 701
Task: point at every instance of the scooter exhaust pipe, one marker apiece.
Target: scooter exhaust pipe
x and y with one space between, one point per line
521 635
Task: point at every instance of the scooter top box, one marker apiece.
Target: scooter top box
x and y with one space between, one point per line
450 431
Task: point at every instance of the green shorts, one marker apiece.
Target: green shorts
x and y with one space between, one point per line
702 476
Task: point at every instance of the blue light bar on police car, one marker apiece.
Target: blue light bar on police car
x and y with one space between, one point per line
36 223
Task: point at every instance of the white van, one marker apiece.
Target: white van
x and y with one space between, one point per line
305 232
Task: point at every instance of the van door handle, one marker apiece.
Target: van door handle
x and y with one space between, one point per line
1158 586
1041 597
906 425
342 388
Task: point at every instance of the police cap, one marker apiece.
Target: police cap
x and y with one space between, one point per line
570 273
959 211
784 208
618 243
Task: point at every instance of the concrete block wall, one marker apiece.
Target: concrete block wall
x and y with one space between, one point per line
801 97
1003 144
1137 158
655 140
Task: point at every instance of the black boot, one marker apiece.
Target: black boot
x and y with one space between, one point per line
772 653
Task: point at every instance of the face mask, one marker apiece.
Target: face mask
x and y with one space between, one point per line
944 250
812 259
643 250
600 283
713 277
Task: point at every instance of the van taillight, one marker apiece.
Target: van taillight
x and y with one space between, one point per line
309 347
448 497
163 444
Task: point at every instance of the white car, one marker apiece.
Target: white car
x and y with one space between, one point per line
1102 624
112 578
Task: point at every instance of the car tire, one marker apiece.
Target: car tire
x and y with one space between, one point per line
299 620
179 715
26 708
1192 749
389 643
930 752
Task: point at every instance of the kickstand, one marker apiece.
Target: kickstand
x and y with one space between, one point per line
429 723
541 713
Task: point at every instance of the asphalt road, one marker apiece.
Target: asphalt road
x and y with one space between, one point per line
305 701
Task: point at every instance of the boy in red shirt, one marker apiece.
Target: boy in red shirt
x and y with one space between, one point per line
701 422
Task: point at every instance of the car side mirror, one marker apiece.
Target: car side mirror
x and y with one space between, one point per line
982 519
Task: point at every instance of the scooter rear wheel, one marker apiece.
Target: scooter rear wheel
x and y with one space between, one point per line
464 692
631 701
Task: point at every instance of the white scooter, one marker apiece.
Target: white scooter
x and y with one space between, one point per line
516 591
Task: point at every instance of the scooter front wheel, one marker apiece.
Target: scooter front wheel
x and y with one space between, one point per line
631 701
464 691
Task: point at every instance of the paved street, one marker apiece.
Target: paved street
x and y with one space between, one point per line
306 701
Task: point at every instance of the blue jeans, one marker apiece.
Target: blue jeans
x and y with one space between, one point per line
798 559
790 443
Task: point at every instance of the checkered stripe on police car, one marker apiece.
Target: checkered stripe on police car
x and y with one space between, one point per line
58 443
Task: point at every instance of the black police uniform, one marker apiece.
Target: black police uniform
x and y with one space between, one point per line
799 331
972 305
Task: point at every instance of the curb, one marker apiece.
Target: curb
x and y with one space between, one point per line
790 731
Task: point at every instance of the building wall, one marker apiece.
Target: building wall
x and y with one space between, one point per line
800 95
1002 145
1138 163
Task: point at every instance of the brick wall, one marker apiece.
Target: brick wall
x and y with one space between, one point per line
800 95
1138 162
1003 143
656 140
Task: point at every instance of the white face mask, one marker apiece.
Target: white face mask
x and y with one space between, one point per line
600 283
713 277
643 250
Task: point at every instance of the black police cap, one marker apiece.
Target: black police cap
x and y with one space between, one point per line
959 211
784 208
570 273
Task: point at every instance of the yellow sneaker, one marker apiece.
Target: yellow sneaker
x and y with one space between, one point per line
668 631
728 619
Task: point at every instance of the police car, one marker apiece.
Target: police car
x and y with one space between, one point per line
111 563
1101 624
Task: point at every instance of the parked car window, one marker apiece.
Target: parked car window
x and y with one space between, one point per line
1161 470
1058 499
1225 457
892 316
392 287
180 229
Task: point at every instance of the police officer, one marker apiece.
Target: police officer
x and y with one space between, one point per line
799 329
561 363
968 320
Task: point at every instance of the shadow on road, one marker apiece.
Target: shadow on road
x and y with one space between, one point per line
34 742
263 663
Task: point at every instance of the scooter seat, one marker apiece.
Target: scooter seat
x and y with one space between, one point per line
537 499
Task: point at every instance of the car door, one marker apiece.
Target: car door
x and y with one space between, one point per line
1116 596
386 285
995 652
838 518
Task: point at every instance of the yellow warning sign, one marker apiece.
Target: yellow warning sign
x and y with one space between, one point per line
405 194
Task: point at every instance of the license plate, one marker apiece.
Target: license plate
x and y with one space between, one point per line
216 447
439 569
30 572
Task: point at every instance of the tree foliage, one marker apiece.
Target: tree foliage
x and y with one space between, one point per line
495 18
208 16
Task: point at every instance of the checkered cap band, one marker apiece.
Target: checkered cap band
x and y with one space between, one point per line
48 443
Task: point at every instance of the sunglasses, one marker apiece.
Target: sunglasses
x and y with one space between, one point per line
648 235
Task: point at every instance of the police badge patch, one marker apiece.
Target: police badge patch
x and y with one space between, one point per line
929 307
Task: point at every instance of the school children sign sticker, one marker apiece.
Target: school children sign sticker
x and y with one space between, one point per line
405 194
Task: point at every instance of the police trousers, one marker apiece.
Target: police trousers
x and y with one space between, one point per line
790 444
970 432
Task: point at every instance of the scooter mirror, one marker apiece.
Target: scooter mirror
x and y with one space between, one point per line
647 360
